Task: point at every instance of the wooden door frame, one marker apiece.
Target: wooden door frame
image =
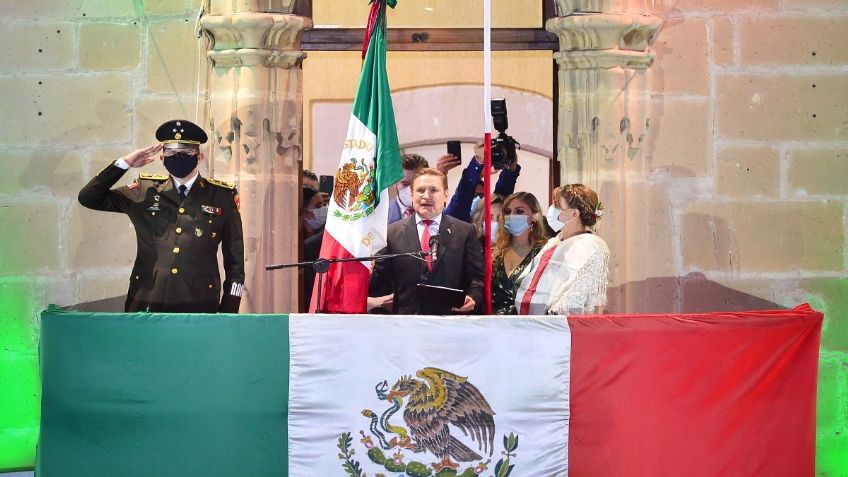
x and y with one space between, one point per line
448 39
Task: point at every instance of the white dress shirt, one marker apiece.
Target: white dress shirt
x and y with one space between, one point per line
434 227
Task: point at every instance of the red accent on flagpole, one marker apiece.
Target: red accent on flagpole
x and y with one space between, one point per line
369 28
487 221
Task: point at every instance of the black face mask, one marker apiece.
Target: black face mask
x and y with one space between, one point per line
180 164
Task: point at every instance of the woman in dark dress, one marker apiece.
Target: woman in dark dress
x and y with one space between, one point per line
520 236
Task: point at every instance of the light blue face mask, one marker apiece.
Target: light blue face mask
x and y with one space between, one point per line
474 203
516 224
553 218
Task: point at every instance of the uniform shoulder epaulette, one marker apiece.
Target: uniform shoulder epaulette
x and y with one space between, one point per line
153 177
221 183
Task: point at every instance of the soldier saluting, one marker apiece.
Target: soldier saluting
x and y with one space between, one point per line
180 220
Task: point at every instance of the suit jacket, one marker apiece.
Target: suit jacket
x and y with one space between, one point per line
459 264
176 265
394 212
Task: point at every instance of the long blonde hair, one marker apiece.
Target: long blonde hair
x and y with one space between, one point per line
538 235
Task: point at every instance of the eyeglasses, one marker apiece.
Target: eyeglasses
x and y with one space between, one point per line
422 191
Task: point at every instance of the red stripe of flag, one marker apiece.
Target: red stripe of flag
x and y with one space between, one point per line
688 395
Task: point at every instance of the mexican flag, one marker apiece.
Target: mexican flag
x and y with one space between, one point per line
359 206
712 394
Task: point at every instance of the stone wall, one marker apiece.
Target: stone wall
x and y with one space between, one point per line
82 82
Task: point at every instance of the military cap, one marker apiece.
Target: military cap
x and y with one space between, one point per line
179 132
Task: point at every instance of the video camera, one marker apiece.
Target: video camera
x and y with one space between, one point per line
503 146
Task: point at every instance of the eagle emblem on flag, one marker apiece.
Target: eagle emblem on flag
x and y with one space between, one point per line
438 409
353 192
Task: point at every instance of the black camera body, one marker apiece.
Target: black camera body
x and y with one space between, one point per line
503 146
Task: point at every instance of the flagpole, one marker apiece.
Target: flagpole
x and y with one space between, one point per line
487 147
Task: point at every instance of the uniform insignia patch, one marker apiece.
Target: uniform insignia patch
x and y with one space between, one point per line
236 289
153 177
209 210
221 184
237 200
155 205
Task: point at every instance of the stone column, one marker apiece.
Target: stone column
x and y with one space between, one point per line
255 119
603 113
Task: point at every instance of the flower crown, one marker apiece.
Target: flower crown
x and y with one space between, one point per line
599 207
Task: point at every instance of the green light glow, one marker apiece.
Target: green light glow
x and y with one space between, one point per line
20 390
831 297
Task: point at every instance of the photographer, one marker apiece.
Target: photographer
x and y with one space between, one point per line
470 184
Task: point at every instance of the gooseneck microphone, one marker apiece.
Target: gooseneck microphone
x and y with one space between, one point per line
434 246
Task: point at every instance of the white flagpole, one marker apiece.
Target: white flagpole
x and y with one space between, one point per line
487 66
487 162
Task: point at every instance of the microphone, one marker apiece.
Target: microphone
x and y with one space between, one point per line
434 246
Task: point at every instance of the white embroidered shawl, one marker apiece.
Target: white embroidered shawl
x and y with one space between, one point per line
574 280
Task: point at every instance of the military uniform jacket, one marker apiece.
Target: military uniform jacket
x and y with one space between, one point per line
176 266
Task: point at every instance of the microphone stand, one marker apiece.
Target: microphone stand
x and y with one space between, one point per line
322 265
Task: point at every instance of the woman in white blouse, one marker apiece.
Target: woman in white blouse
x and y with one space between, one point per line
569 274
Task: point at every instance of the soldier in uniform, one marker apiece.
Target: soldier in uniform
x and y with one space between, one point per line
180 220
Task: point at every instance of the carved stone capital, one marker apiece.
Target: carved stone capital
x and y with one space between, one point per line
254 57
604 31
250 39
568 7
226 7
603 59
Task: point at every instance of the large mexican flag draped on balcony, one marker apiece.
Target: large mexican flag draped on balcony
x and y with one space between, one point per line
333 395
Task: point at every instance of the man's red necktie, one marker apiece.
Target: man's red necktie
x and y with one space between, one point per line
425 242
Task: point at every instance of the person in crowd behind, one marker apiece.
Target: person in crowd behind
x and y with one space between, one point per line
314 212
459 261
314 219
310 179
520 236
402 206
470 185
477 217
569 274
181 220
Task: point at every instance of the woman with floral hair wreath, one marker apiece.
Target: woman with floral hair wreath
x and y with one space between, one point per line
569 274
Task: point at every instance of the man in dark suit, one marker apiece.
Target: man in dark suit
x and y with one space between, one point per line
459 258
180 220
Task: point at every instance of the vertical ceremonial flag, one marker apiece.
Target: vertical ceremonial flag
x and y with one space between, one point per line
370 163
